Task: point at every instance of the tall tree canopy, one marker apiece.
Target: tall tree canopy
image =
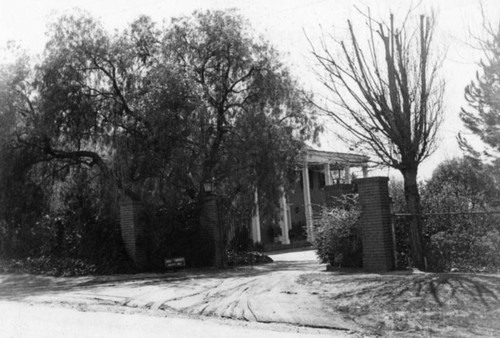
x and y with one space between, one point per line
156 110
168 103
482 117
386 94
247 98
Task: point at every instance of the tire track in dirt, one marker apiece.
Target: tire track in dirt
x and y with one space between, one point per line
266 293
273 297
228 299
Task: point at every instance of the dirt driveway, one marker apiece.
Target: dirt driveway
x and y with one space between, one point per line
266 293
294 290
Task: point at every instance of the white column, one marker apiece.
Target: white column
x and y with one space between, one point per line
347 174
256 219
328 174
289 213
365 171
284 221
307 204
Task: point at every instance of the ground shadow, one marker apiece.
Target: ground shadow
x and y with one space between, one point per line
436 290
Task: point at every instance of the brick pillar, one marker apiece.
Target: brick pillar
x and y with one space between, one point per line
212 231
132 231
376 223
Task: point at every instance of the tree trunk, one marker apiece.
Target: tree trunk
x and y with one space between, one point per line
412 198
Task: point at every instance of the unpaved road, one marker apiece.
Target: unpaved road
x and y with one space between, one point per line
266 293
294 293
261 294
21 320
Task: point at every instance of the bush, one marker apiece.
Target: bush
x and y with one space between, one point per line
456 236
298 232
47 265
241 240
338 236
468 243
247 258
403 251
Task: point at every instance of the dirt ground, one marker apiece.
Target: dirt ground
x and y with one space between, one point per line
413 304
294 290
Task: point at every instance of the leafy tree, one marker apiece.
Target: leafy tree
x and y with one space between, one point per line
13 91
457 231
247 97
252 118
471 180
388 97
483 95
462 239
21 199
153 112
170 103
100 97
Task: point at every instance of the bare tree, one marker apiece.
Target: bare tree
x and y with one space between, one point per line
387 95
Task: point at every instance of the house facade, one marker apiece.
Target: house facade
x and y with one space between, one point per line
317 170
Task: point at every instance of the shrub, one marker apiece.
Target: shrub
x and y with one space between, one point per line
456 236
403 251
247 258
240 241
468 243
338 236
47 265
298 232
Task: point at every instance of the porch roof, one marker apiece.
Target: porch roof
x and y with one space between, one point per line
316 157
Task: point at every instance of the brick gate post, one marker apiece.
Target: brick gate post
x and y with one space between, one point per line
132 231
375 223
212 231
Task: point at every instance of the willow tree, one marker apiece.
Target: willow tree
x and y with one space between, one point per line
387 96
154 111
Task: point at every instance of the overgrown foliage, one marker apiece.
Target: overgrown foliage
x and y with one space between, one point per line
247 258
338 235
459 231
51 266
148 113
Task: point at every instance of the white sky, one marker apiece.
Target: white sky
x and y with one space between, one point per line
283 23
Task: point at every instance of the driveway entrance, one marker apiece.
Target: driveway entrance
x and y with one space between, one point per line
270 293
